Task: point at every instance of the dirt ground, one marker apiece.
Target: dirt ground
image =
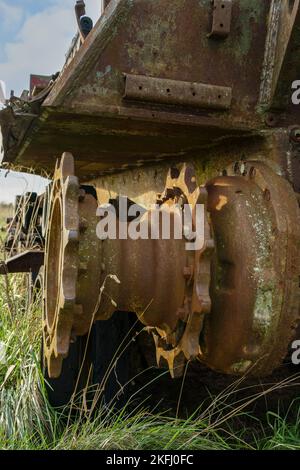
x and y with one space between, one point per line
200 386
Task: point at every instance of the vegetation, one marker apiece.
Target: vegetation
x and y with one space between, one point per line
28 422
6 210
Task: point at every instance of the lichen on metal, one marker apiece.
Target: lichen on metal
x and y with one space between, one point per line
157 104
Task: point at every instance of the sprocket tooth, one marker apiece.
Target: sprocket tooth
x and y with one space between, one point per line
72 264
197 275
54 366
170 360
157 350
58 327
67 165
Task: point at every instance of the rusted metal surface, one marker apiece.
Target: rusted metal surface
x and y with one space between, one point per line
167 23
280 66
83 296
221 24
38 83
166 40
201 304
197 302
156 90
104 4
161 39
166 299
123 142
293 158
72 265
154 84
255 288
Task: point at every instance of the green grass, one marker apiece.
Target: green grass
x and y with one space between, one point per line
28 422
6 210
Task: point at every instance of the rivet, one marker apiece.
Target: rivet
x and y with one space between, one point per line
252 172
82 271
82 195
83 226
271 120
236 167
188 272
295 135
267 195
174 173
182 313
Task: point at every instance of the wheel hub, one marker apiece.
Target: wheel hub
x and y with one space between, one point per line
233 304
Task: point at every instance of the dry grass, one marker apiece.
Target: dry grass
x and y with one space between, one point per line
28 422
6 210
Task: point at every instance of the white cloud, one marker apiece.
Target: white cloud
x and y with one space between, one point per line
39 47
41 43
9 15
14 183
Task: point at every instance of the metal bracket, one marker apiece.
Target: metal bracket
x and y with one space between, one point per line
26 262
175 92
221 25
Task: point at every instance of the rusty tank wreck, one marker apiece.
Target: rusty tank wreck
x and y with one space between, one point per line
165 103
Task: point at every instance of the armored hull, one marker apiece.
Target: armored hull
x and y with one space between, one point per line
164 105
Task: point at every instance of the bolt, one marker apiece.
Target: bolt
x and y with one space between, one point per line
174 173
83 269
243 169
295 135
82 195
170 193
267 195
271 120
182 314
252 172
83 226
210 244
188 272
236 167
73 235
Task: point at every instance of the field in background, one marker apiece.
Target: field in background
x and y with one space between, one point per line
6 210
226 420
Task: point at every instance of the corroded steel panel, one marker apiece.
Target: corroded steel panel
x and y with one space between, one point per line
86 112
157 90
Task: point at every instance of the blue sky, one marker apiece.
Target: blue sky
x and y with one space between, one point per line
34 37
